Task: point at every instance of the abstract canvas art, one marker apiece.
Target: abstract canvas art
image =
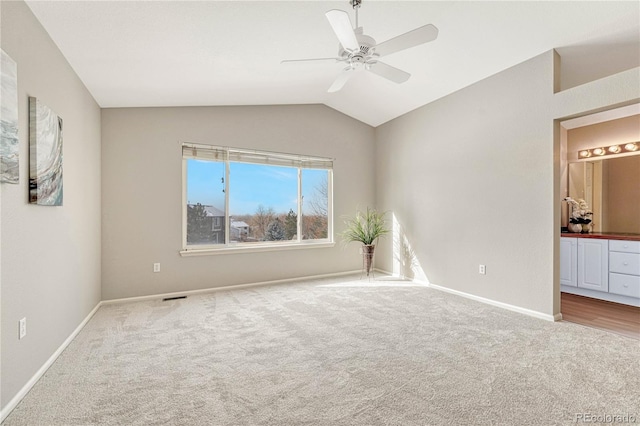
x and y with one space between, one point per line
45 155
8 119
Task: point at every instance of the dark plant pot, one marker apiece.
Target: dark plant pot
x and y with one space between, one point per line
367 257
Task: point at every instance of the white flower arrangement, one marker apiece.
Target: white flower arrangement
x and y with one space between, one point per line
580 212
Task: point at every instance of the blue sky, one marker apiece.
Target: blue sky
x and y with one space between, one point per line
250 185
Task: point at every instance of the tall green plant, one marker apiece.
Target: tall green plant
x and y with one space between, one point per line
365 227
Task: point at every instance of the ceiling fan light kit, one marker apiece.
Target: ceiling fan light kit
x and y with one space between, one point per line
361 52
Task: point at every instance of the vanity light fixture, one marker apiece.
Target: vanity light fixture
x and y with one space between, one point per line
610 150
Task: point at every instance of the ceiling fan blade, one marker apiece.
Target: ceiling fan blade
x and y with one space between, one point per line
339 21
311 60
389 72
341 80
413 38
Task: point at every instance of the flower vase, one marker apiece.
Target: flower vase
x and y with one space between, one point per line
367 257
574 227
586 227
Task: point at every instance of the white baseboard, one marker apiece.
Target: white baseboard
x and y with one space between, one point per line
27 387
382 271
513 308
536 314
400 277
225 288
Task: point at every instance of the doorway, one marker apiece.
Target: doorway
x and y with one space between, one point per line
615 216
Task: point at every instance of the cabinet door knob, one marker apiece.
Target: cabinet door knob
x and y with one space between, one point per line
625 285
625 263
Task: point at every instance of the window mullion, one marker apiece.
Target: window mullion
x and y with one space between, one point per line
184 203
300 201
227 220
330 205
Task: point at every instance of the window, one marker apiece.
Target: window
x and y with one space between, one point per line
206 206
235 198
315 204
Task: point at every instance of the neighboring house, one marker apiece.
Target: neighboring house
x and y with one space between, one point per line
215 226
217 223
239 230
215 219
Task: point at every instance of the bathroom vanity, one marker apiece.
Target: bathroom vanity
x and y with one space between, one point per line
601 265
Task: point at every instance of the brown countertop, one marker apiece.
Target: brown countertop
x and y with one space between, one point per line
603 236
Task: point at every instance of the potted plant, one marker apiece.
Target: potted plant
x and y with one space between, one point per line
580 215
365 228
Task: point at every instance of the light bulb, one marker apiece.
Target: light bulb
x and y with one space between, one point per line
614 149
631 147
599 151
585 154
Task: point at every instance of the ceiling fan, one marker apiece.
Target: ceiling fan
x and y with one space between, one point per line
360 51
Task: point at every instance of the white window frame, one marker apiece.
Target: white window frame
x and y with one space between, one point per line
230 155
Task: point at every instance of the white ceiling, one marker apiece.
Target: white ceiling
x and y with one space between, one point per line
175 53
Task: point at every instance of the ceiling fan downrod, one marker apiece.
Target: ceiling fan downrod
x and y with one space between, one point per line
356 5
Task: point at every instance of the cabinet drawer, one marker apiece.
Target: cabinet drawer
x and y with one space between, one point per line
624 246
626 285
624 263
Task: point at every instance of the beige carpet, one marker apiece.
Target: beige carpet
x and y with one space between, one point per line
332 352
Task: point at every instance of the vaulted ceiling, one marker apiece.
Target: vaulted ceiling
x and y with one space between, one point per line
175 53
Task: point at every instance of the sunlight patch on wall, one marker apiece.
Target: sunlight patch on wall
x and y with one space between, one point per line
405 261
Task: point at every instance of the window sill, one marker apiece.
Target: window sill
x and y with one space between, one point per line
237 249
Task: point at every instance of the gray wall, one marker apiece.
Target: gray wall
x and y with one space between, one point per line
50 255
142 192
473 178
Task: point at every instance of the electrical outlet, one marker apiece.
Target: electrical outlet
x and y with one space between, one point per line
22 328
482 270
156 267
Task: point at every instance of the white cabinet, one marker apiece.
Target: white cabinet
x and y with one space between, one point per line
624 263
593 264
624 285
624 246
600 268
624 268
569 261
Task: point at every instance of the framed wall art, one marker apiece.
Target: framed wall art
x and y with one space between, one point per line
45 155
9 146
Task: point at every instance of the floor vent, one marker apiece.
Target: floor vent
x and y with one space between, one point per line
174 298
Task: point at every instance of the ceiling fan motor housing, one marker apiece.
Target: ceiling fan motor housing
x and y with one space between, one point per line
366 53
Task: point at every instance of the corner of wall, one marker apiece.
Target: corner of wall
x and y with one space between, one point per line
557 74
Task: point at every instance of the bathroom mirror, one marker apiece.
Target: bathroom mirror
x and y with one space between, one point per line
611 187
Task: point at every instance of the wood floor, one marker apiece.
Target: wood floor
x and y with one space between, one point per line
614 317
